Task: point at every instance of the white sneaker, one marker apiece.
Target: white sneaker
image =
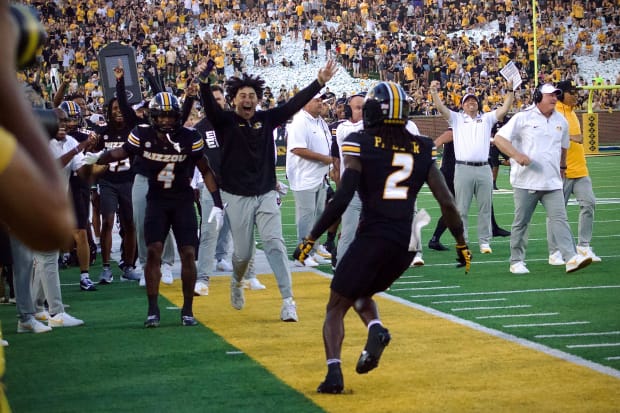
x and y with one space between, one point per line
587 251
142 282
308 262
42 315
485 249
321 251
289 310
418 261
556 259
237 298
320 260
223 265
166 274
519 268
32 326
578 262
64 320
201 287
253 284
4 343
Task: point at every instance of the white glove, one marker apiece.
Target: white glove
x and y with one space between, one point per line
421 219
91 158
216 214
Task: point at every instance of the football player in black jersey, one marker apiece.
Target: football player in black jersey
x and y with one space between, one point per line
169 152
80 191
116 181
387 166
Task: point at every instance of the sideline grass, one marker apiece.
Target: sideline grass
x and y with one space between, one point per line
114 364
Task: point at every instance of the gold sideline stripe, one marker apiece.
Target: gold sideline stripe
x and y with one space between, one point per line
431 365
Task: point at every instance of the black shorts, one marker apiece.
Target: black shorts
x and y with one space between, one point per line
161 215
80 194
116 197
369 266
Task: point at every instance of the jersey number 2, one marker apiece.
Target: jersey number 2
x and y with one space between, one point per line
392 189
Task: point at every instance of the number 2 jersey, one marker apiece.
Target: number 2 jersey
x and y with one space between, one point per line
168 164
390 181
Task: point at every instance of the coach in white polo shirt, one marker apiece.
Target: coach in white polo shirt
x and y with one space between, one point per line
536 139
472 174
307 163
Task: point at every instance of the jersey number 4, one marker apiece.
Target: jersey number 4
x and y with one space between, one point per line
166 175
393 188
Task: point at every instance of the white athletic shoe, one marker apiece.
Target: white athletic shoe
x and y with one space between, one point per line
587 251
32 326
42 315
319 259
321 251
485 249
64 320
519 268
418 261
308 262
166 274
201 287
223 265
237 298
253 284
556 259
578 262
288 312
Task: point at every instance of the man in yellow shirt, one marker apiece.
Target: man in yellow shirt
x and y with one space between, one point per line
576 178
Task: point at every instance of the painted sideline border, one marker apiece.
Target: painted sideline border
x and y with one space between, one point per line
435 362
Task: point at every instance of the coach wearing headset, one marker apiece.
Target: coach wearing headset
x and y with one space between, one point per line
536 139
472 138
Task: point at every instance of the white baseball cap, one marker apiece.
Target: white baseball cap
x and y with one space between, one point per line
549 88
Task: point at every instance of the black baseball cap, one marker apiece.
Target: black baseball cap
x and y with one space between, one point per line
566 86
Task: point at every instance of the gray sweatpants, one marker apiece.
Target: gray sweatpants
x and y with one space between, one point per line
582 188
245 212
525 204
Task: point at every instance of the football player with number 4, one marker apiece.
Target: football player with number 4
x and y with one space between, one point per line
379 163
169 152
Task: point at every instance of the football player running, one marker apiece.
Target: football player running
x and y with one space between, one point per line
379 163
169 152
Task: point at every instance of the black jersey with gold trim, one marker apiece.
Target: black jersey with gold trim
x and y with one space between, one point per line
168 163
390 181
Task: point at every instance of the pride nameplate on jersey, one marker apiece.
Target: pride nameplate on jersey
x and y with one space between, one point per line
164 157
380 144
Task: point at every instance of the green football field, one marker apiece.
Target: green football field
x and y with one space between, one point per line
249 362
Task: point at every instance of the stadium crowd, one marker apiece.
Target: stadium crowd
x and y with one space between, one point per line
411 43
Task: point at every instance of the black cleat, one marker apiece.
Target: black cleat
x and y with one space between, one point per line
333 384
188 321
378 338
437 246
152 321
500 232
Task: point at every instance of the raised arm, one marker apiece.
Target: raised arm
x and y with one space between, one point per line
508 99
282 113
443 109
130 117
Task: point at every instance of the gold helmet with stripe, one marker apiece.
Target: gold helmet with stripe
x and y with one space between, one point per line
386 104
